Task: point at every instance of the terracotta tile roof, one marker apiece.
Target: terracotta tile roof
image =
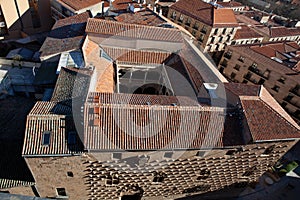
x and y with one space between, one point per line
206 12
195 8
59 126
224 17
102 79
71 84
140 99
240 89
245 32
136 56
252 52
132 127
66 35
278 50
50 108
230 4
132 30
121 5
265 123
105 81
284 32
268 99
79 4
144 17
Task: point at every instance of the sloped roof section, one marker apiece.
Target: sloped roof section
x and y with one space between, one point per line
265 123
113 28
66 35
245 32
206 13
60 143
224 17
113 127
71 83
80 4
136 56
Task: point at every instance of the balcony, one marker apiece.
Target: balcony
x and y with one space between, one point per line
295 91
228 54
257 71
248 77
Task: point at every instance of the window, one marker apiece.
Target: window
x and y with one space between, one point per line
200 153
250 171
204 29
283 104
174 15
267 73
297 113
220 39
70 174
261 81
46 138
232 75
117 156
281 80
228 39
228 54
201 38
224 31
168 154
196 26
111 179
181 18
276 88
231 152
224 63
288 97
61 191
237 67
248 75
158 177
245 81
204 174
269 150
188 21
216 31
72 138
241 59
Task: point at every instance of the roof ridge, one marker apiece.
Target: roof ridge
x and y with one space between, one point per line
128 24
137 50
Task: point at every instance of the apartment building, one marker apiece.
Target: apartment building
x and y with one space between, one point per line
246 35
274 65
61 9
213 26
234 5
104 135
265 26
24 16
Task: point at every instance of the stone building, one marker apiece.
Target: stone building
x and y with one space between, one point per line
246 35
61 9
19 17
274 65
213 26
138 123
